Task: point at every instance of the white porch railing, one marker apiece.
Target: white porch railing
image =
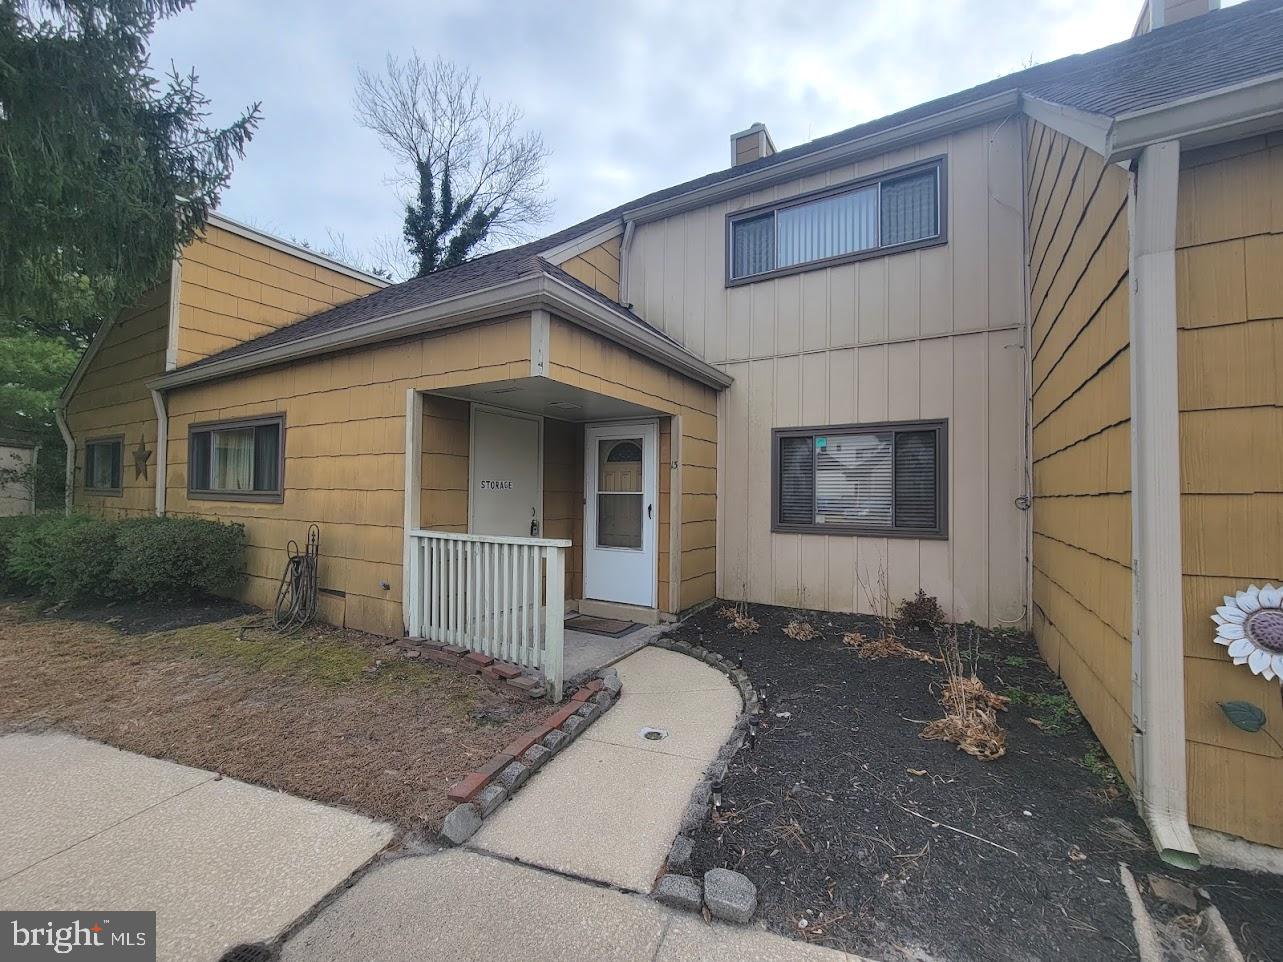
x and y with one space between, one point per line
502 597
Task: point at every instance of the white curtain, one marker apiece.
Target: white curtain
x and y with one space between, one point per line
233 467
830 227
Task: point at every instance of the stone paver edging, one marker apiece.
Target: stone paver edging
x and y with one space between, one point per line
481 792
728 895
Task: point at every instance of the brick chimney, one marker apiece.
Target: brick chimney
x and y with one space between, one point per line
1163 13
752 144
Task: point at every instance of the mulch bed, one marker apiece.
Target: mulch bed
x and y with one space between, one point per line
143 620
330 714
865 837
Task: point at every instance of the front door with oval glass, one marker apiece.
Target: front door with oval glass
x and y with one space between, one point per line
621 512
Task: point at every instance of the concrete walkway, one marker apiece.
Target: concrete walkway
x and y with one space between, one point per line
462 906
608 807
84 826
586 652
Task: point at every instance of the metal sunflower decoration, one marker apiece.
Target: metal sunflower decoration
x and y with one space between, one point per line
1250 625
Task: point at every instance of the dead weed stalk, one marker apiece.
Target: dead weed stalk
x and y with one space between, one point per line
800 630
888 643
971 709
738 618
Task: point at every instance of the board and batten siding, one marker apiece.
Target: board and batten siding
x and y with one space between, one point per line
344 458
1229 277
1080 384
112 399
234 289
933 333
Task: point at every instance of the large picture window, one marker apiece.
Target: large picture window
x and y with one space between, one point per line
103 458
900 210
241 460
879 479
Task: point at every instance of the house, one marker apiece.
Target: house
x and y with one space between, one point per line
17 476
1019 346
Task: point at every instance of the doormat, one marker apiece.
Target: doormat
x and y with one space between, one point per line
610 627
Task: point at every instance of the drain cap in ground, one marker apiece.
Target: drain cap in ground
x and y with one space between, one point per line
653 734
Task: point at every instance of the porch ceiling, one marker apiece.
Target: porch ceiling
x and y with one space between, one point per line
553 399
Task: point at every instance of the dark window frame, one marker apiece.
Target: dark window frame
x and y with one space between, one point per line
941 165
276 496
110 439
939 533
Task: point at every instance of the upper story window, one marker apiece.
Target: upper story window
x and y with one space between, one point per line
899 210
237 460
103 458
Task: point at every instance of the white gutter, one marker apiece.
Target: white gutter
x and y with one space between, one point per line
525 293
162 449
625 246
59 415
1158 647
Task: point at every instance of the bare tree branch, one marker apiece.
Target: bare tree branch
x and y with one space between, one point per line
439 126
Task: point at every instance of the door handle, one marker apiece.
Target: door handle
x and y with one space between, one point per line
534 525
650 511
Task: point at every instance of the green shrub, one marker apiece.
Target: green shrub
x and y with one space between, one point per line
178 558
141 559
10 529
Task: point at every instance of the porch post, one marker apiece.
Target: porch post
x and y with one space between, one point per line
413 489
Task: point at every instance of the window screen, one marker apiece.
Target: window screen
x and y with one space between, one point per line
873 215
241 459
876 479
103 465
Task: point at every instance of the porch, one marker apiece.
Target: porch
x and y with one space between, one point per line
529 499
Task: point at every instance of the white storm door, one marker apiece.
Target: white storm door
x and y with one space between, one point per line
621 516
505 475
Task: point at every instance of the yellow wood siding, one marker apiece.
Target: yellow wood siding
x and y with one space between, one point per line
925 334
1077 223
234 289
112 399
584 360
598 268
443 502
1229 277
344 457
563 495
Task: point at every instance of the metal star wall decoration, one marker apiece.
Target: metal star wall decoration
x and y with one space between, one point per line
141 457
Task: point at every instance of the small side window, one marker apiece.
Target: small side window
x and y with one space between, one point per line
103 457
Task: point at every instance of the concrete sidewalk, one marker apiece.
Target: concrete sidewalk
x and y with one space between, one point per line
84 826
608 807
462 906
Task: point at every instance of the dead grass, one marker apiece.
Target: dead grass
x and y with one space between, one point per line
885 646
800 630
971 709
331 714
738 618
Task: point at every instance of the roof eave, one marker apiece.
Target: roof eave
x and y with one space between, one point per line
1092 130
946 121
525 293
1217 116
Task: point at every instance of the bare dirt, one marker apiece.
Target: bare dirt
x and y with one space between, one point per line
330 714
863 836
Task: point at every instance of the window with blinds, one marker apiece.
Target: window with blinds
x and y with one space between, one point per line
885 479
872 216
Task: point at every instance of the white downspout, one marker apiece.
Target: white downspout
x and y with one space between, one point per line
59 415
1158 649
624 244
162 448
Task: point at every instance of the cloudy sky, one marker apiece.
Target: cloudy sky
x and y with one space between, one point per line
629 97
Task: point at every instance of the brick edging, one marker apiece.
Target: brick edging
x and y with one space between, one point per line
681 890
497 673
479 793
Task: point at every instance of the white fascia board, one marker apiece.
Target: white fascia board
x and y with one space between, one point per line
948 121
1089 129
1241 110
87 358
526 293
584 242
297 250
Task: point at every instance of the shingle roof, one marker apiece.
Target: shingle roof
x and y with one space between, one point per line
1215 50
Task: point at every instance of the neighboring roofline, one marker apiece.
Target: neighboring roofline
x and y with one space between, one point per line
970 114
17 443
583 242
525 293
296 250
